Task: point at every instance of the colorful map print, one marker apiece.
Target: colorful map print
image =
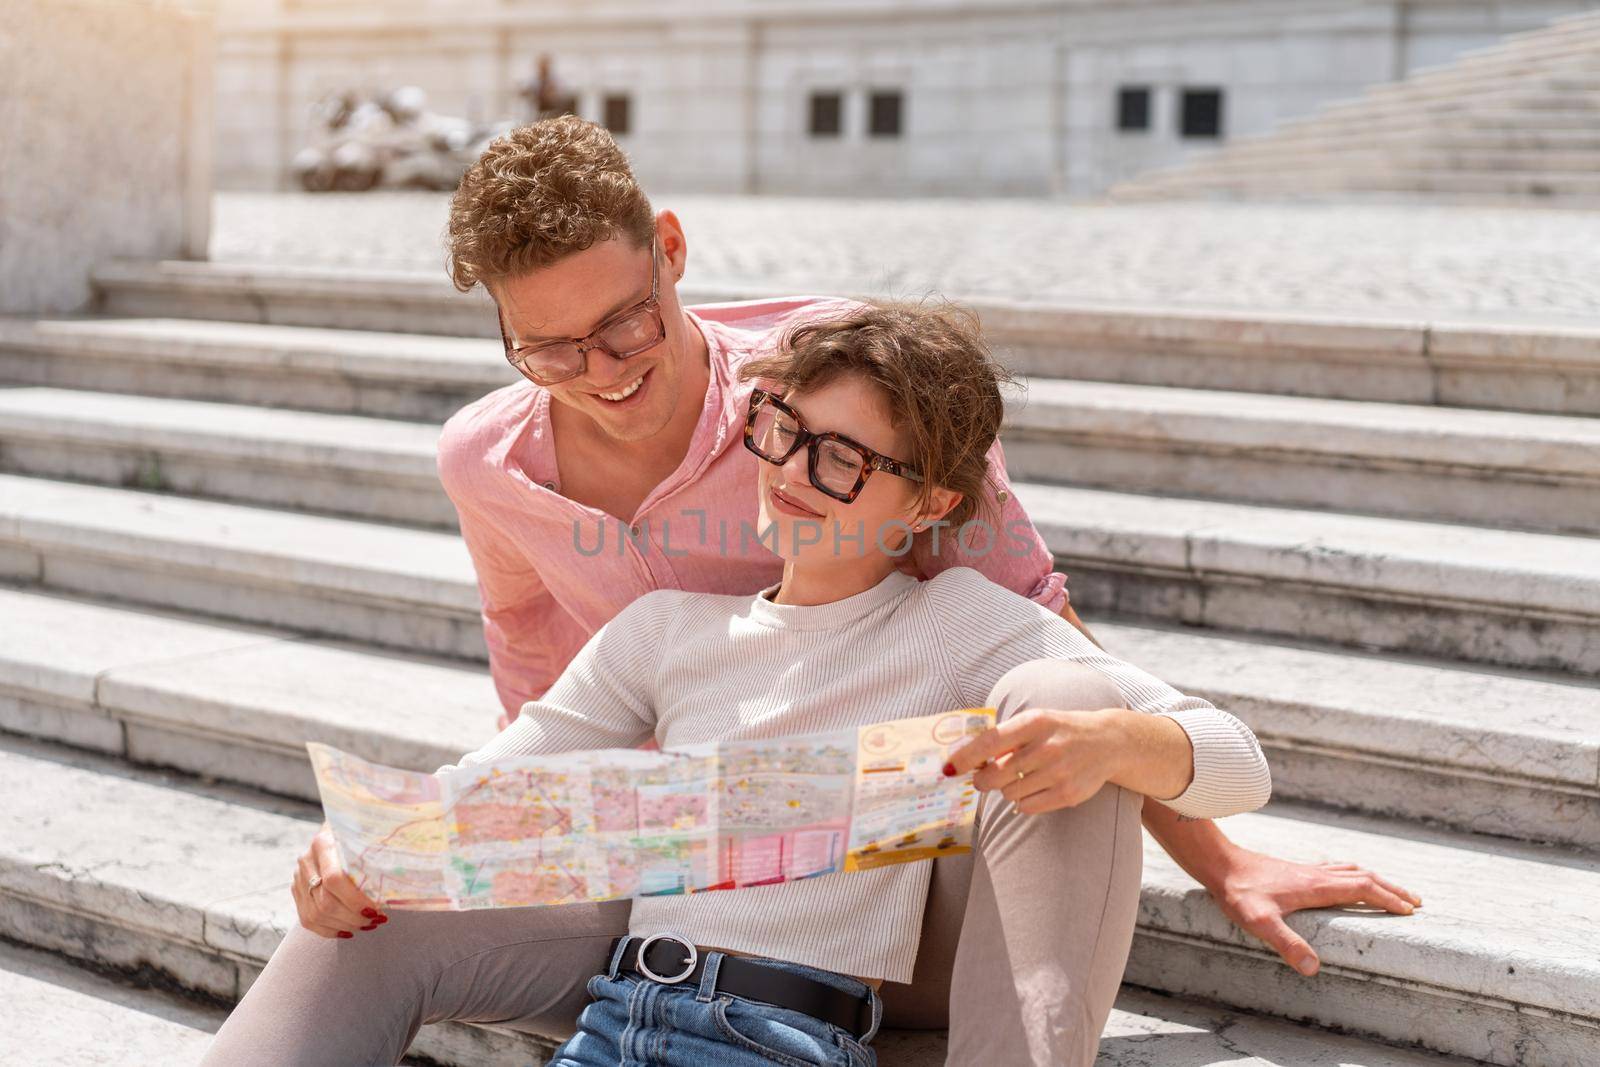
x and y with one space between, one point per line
610 823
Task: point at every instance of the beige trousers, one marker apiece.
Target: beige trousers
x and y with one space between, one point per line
1023 945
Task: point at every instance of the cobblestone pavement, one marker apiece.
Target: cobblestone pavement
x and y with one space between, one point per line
1442 261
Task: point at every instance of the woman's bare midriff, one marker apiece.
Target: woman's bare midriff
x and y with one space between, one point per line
873 982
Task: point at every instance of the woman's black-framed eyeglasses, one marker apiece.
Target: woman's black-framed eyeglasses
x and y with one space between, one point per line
838 466
627 333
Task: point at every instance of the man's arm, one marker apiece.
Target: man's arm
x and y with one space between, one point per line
513 598
1256 891
522 662
1072 617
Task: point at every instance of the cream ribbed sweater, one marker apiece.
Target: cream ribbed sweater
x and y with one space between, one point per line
687 667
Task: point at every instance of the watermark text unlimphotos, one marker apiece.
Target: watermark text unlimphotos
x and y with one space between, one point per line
893 538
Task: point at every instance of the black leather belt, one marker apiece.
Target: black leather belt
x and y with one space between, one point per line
671 960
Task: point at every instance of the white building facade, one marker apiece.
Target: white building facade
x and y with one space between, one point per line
849 97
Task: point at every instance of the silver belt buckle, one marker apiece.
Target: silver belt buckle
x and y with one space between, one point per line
688 968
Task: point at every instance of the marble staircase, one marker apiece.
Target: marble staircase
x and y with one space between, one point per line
1376 541
1514 122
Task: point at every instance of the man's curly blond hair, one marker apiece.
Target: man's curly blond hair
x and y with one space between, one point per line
540 193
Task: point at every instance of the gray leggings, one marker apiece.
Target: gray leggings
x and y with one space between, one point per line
1023 943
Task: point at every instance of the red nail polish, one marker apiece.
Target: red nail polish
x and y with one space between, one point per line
949 770
370 926
380 920
369 913
346 933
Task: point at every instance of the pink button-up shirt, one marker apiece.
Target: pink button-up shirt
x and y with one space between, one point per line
552 571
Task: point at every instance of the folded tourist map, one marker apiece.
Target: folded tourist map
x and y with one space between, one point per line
609 823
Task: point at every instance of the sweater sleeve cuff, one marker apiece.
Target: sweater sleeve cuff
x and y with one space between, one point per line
1230 773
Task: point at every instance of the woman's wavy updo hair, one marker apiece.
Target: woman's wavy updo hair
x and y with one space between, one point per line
540 193
938 381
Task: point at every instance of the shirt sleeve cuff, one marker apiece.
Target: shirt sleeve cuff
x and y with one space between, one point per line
1050 592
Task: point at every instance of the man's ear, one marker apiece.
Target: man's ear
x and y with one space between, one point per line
674 245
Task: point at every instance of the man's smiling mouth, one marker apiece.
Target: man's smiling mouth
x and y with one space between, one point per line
626 391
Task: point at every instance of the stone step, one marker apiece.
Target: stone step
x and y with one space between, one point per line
1449 106
1511 754
1507 162
1546 78
1147 1029
227 701
63 1014
1562 80
154 873
1496 468
1554 185
1533 103
57 1014
1525 365
115 881
1556 87
1578 82
1568 75
405 301
1355 187
339 464
1306 162
1389 174
1541 471
1499 964
1521 138
1515 754
293 296
1485 118
1327 136
370 582
1478 148
1306 151
405 376
1539 142
1502 597
1458 592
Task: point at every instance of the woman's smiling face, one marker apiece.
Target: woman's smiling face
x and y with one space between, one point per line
802 522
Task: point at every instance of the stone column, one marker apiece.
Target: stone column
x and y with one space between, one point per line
105 141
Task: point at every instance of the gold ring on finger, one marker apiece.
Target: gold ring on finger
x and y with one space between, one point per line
316 880
1021 775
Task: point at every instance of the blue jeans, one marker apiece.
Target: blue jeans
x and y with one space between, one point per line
635 1022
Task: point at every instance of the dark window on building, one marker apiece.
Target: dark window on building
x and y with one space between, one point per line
885 110
1133 107
615 108
827 114
1201 113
